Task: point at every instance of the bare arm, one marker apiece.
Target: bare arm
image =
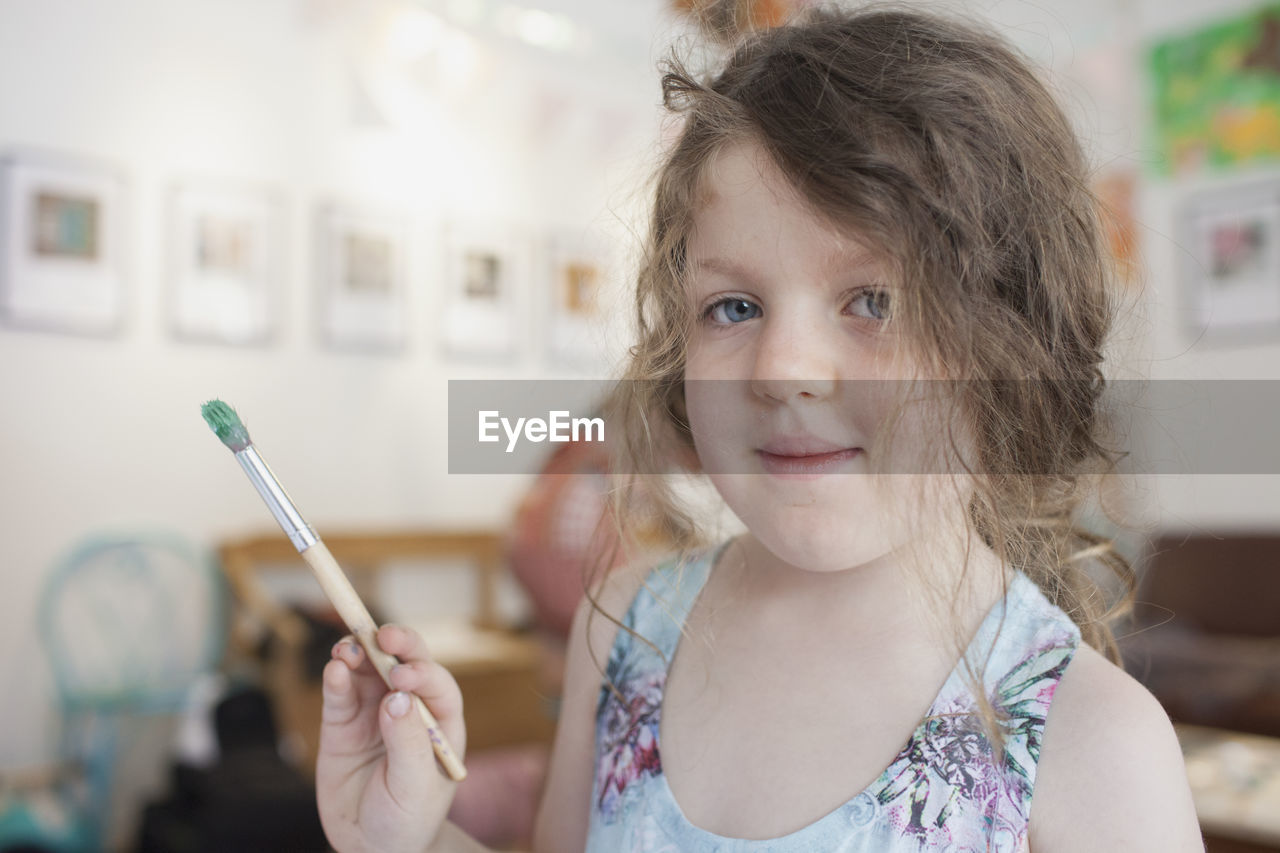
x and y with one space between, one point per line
561 824
1110 775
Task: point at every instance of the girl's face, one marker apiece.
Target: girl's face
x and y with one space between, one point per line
788 311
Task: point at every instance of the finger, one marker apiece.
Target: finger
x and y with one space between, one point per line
411 765
368 682
405 643
348 715
349 651
437 687
341 699
435 684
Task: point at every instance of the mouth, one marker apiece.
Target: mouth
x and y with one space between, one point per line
803 458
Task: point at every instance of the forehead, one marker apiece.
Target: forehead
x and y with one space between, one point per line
745 205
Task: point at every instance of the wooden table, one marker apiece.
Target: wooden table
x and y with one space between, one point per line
502 674
1235 781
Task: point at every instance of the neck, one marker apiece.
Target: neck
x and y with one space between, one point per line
887 597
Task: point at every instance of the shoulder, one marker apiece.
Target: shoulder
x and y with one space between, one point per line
1109 752
598 618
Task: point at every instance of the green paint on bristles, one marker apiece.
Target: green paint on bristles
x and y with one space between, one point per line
225 423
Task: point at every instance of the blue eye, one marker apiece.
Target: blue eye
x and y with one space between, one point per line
730 311
875 304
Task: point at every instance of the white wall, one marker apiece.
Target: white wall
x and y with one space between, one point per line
105 433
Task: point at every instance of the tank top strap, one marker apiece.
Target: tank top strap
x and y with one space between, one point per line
629 709
1021 628
1022 649
663 602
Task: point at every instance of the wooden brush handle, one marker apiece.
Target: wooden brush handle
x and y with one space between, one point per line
353 612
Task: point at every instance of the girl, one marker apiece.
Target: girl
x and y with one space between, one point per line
873 307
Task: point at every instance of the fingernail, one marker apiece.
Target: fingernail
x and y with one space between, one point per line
398 704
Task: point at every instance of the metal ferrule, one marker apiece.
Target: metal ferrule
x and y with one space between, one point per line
298 531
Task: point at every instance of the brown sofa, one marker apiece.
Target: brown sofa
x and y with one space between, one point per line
1206 633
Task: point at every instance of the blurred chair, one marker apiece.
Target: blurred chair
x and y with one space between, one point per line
128 623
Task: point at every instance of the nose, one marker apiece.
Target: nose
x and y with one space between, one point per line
795 359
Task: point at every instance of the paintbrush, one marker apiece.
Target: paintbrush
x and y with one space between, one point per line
225 423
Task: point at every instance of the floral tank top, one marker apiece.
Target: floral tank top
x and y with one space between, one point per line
945 790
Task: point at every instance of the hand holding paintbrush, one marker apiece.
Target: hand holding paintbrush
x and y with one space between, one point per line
223 420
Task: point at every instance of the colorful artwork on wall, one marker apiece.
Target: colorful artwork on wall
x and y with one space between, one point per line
1116 191
362 271
578 266
225 269
1217 95
1232 272
61 259
484 274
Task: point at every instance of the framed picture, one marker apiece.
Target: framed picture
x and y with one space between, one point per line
1233 272
576 267
61 243
1213 93
483 271
226 267
362 272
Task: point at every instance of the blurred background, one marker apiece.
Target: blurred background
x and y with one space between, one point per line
322 211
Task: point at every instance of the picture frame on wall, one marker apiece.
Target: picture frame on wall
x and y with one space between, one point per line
484 267
226 263
61 243
577 267
1232 267
362 272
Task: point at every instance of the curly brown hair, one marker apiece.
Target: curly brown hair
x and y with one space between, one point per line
936 142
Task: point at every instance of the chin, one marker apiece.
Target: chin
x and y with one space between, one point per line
821 527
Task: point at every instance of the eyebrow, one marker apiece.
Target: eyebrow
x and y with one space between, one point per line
836 261
725 266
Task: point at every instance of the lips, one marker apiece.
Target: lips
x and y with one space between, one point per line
803 457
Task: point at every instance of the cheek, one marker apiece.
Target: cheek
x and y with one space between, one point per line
696 388
912 428
695 410
933 439
716 418
697 359
725 352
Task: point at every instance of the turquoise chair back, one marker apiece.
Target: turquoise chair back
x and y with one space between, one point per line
128 623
